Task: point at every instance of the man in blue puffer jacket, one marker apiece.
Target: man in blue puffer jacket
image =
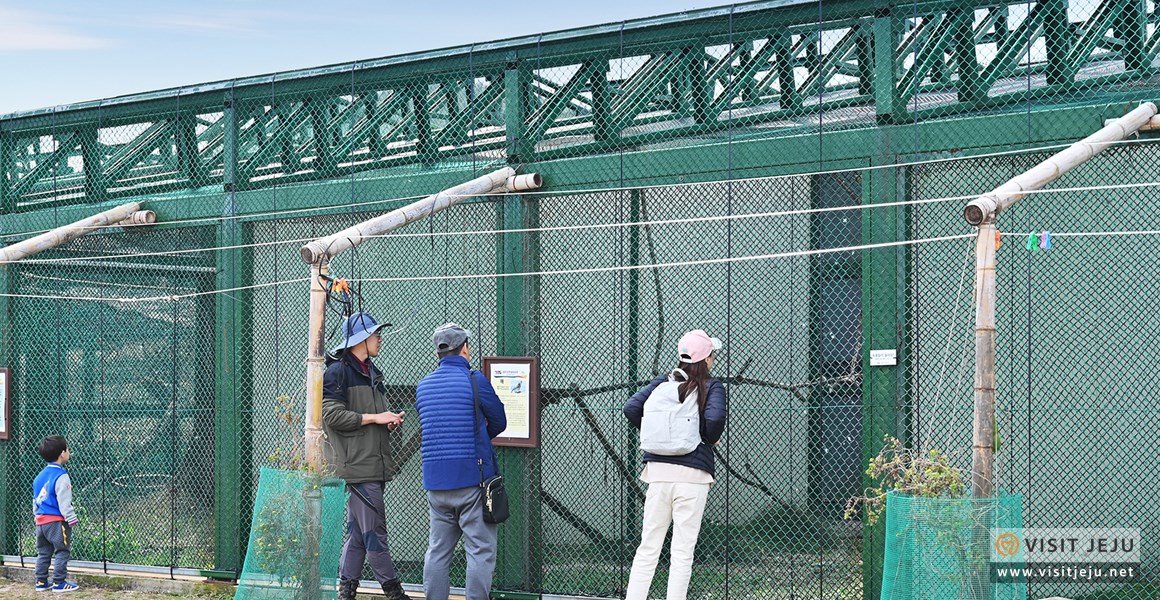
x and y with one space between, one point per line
457 457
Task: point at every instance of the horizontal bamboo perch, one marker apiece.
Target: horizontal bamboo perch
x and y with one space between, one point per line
503 180
1053 168
126 214
141 217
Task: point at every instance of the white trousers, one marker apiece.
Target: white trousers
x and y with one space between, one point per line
682 505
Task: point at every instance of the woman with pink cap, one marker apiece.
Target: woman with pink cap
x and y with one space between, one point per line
681 416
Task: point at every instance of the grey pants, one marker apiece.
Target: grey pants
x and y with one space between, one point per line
366 534
53 539
454 514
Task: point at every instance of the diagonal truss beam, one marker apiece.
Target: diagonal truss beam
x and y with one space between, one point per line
64 146
459 128
689 78
1013 47
289 122
543 117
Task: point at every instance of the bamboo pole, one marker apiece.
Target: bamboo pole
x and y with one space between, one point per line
141 217
982 212
315 367
983 440
983 435
66 233
503 180
1152 125
1051 169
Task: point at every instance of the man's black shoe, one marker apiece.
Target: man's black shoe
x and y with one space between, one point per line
347 589
394 590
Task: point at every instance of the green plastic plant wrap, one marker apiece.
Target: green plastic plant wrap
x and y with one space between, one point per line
937 548
279 561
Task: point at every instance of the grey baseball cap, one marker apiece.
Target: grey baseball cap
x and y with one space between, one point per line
449 336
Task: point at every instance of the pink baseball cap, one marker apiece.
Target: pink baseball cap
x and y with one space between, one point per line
696 346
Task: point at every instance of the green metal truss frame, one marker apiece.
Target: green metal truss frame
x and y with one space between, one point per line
758 157
576 93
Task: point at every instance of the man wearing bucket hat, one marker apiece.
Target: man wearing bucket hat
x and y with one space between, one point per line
357 424
457 457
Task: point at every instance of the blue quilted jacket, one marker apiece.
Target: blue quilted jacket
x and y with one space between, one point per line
447 415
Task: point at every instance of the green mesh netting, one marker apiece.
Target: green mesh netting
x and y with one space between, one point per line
937 548
280 563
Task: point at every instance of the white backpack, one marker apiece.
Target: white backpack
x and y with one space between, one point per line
670 427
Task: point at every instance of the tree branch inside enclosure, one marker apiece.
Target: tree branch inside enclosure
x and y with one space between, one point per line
623 468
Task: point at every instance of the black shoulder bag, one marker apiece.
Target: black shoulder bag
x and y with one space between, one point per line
495 500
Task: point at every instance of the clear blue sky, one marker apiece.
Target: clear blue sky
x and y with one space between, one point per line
62 51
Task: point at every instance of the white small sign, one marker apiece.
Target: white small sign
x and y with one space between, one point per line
883 358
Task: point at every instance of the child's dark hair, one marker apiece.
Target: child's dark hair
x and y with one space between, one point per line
52 447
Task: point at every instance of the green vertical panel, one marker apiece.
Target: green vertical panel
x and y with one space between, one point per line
835 326
233 368
187 149
601 103
226 473
516 80
700 89
966 60
230 143
888 104
7 200
320 116
234 364
633 344
883 297
864 50
1132 29
424 144
789 99
91 151
520 562
8 488
1057 38
745 62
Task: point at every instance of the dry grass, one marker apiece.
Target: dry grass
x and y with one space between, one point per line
15 590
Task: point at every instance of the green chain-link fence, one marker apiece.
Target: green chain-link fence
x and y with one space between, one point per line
172 358
1072 406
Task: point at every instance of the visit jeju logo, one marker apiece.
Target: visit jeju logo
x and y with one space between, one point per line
1007 544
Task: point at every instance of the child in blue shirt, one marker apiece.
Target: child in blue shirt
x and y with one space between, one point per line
55 516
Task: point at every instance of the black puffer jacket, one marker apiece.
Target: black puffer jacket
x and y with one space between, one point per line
712 425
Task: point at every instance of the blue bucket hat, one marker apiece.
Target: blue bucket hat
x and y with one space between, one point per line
356 329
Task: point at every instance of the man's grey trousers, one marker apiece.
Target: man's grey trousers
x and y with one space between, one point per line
454 514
